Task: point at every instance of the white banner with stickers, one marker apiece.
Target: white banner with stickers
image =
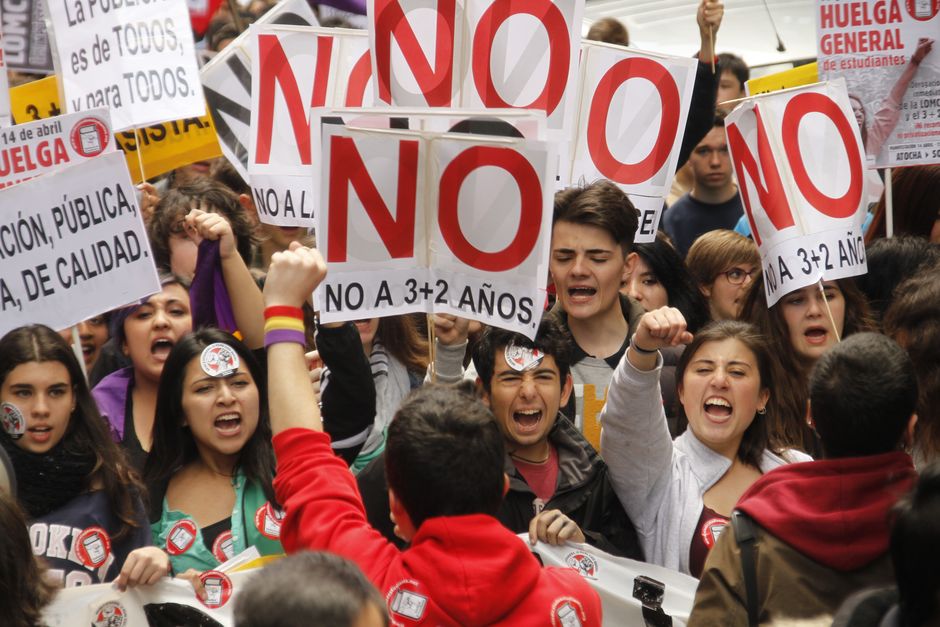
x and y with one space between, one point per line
136 58
424 222
72 245
32 149
633 594
799 162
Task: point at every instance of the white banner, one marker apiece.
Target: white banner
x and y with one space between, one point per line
138 59
486 54
226 80
625 585
799 162
295 68
436 223
633 111
72 245
887 52
29 150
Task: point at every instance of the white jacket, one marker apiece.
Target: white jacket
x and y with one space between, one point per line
660 482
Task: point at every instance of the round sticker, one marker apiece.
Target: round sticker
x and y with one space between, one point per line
111 614
93 546
13 421
923 10
711 529
520 358
584 563
224 547
181 537
218 588
219 360
89 137
268 521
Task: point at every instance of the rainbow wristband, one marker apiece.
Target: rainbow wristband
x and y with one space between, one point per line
276 336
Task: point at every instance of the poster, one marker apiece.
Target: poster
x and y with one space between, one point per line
25 41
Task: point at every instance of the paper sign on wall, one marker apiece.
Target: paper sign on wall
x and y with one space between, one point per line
799 162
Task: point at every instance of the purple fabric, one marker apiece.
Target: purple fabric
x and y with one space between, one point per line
284 335
111 397
351 6
208 295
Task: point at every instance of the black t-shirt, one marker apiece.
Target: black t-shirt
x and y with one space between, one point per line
688 218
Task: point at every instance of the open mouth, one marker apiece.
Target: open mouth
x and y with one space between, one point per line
88 349
161 348
581 292
718 408
527 419
228 424
816 335
40 434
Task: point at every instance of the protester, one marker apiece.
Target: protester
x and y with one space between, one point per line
913 321
444 459
772 563
733 78
92 335
915 191
680 494
70 475
801 326
891 261
714 201
591 256
211 466
609 30
310 589
24 588
723 265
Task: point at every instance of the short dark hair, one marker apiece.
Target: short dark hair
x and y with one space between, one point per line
755 439
308 588
862 394
444 455
600 204
890 261
551 338
915 549
730 62
178 201
609 30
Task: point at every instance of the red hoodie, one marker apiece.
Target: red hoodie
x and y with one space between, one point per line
833 511
459 570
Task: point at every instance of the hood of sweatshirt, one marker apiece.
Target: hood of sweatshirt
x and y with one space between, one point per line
833 511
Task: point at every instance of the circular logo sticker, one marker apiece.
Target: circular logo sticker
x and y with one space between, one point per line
181 537
711 529
13 421
582 562
923 10
93 546
111 614
224 547
567 612
520 358
219 360
218 588
268 521
90 136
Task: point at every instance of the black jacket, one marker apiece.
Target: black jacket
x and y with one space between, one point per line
584 494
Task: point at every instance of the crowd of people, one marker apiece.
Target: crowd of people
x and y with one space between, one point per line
785 456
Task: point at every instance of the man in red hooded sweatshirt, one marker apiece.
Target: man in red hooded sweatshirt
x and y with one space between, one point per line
444 463
818 531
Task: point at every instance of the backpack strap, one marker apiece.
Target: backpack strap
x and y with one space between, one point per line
745 535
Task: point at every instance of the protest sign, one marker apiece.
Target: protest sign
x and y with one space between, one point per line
29 150
295 68
226 81
633 111
163 147
5 118
486 54
136 58
625 585
25 41
72 245
415 221
796 77
799 162
884 49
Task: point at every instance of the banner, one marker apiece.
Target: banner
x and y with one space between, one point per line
429 222
624 585
72 245
137 58
796 77
226 82
486 54
884 49
799 162
25 41
163 147
293 69
30 150
633 108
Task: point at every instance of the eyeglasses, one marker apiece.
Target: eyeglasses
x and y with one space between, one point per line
737 276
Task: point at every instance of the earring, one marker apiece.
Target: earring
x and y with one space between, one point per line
762 411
